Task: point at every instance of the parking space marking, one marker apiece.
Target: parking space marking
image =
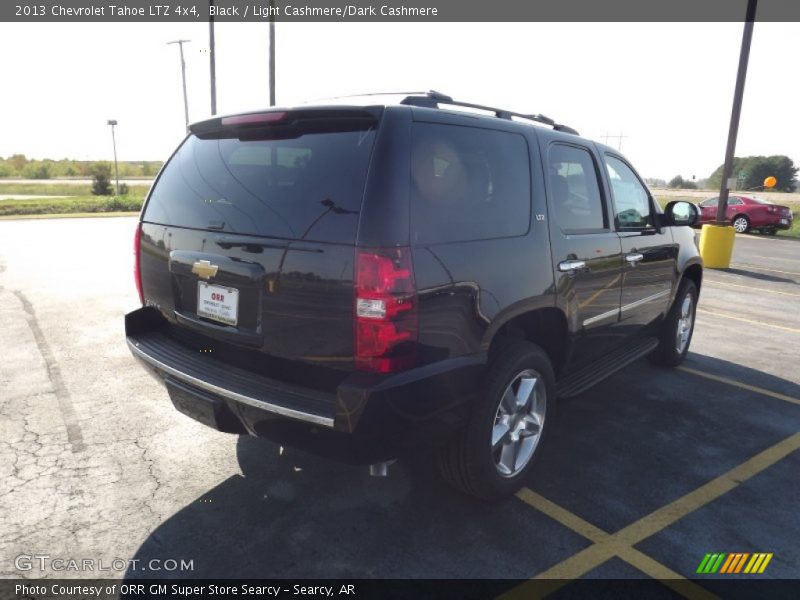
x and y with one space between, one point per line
797 260
562 515
635 558
737 318
757 268
674 511
665 575
621 543
751 288
739 384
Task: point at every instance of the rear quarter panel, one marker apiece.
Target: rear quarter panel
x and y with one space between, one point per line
468 289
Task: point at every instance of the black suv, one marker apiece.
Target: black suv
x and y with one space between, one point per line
359 281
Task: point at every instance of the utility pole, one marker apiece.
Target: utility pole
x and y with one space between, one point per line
212 58
183 78
272 53
113 123
619 137
733 131
716 239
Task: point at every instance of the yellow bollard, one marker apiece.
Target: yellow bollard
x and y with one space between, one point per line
716 245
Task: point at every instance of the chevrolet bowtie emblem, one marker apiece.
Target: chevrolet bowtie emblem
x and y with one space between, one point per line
204 269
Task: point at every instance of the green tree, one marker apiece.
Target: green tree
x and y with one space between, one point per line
676 182
18 162
679 182
751 171
101 179
38 170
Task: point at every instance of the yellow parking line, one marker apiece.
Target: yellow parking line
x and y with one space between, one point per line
737 318
562 515
665 575
669 514
739 384
589 560
621 543
757 268
751 288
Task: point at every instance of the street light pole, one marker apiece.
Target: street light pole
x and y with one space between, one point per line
183 78
212 58
272 53
113 123
733 131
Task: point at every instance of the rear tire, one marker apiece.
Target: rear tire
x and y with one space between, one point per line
770 231
741 224
491 456
676 331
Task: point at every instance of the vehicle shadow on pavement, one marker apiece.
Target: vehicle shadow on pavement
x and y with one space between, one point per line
292 514
297 515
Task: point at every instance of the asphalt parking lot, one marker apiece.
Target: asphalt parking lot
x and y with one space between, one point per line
643 476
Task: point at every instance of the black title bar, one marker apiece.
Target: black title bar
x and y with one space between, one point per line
394 10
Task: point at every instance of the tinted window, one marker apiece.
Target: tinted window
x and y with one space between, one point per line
734 202
468 184
574 190
309 187
709 202
631 200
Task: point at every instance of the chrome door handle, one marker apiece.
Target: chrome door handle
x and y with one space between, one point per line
570 266
633 258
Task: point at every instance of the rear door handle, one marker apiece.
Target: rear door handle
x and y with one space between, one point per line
633 258
570 266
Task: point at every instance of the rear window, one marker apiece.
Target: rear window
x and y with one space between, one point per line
307 187
468 184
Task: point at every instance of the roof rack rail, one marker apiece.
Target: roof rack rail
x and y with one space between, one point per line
433 99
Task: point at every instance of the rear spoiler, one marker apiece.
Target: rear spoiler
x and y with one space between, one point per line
279 123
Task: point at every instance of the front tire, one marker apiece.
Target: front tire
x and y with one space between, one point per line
741 224
677 329
492 455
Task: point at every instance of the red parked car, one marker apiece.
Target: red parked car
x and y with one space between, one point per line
747 213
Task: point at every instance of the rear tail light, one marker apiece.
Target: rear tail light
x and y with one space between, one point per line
385 310
137 272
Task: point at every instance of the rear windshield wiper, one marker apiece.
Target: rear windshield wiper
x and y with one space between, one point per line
256 246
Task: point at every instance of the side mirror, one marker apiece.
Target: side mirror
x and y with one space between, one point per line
681 213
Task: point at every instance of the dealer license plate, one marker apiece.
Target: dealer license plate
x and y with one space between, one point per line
218 303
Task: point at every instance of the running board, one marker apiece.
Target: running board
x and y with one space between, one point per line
582 380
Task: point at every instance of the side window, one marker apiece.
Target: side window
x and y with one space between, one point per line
735 202
631 200
468 184
709 202
574 189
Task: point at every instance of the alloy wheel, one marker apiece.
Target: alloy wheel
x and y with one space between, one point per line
740 224
518 423
685 320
